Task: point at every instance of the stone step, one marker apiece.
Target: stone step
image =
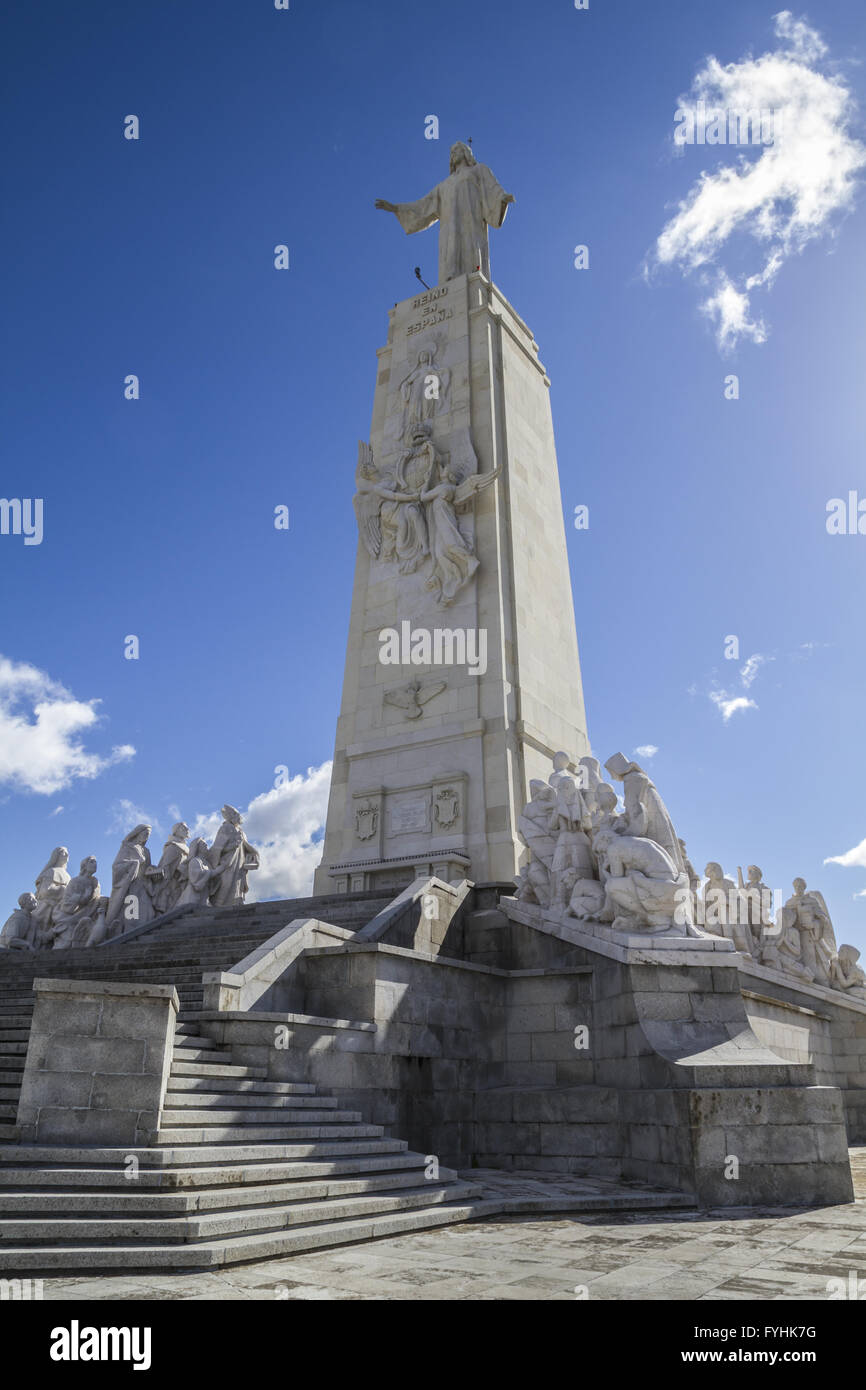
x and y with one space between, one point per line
39 1230
234 1249
200 1054
13 1049
199 1156
8 1112
229 1087
8 1132
14 1062
228 1113
73 1201
9 1092
185 1068
221 1101
221 1182
216 1132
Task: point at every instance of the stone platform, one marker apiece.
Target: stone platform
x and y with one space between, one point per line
283 1081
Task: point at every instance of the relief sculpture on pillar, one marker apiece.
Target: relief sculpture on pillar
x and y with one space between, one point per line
411 513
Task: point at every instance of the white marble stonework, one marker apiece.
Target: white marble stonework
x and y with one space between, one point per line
479 487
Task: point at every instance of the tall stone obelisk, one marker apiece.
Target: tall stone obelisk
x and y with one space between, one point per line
462 676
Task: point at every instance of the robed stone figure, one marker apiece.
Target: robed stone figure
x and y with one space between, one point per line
465 204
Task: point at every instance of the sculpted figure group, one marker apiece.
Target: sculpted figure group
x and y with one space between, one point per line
630 870
67 912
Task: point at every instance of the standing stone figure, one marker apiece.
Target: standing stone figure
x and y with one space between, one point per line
132 877
79 907
756 903
465 204
18 929
172 863
722 915
422 391
50 887
534 829
807 912
569 821
198 876
232 857
454 560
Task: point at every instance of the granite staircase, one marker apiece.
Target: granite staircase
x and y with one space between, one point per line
243 1168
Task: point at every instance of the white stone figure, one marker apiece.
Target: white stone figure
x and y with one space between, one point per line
846 974
589 900
722 910
198 875
590 781
18 930
534 829
388 508
172 863
572 856
807 912
453 558
646 815
78 910
232 857
643 882
464 204
756 901
133 879
783 950
423 391
588 897
50 887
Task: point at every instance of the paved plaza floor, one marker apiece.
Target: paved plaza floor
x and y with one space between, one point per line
590 1255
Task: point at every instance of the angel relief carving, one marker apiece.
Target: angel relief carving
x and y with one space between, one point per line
409 513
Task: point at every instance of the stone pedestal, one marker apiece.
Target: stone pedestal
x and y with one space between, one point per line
97 1063
433 760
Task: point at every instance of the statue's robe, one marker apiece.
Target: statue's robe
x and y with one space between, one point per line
464 204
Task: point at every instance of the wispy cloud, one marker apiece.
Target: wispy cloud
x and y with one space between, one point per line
776 203
852 858
126 815
646 750
751 668
41 723
729 704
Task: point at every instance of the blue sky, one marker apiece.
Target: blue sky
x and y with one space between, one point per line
155 257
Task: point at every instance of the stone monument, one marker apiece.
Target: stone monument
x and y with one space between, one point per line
462 676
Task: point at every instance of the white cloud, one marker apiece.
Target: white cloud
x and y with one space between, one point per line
126 815
282 823
729 704
40 726
852 858
753 665
646 750
56 812
861 894
792 193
